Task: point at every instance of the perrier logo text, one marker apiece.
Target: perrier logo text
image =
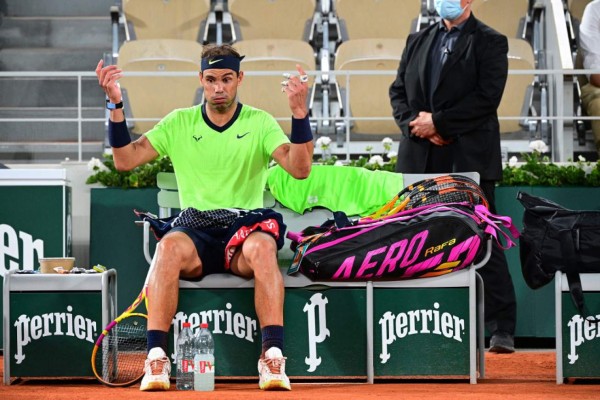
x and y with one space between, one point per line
32 328
432 322
580 331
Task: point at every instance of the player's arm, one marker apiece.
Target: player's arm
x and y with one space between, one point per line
126 154
296 157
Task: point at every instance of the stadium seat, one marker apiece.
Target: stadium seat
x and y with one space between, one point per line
517 97
160 19
361 19
368 94
153 97
503 15
264 91
275 19
576 8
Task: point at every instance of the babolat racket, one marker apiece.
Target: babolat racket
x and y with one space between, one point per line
120 351
442 189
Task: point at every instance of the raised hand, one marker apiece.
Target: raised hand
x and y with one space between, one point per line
108 77
296 89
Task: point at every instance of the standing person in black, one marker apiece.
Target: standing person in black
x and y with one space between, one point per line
445 99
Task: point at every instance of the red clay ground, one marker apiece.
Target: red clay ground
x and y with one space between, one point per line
522 375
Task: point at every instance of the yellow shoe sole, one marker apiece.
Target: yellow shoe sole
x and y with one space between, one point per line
275 384
155 386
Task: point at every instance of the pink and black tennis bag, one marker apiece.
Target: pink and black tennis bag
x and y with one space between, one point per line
440 225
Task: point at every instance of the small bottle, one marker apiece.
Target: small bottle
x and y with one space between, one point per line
185 358
204 360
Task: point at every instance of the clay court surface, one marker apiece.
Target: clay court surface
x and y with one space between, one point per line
522 375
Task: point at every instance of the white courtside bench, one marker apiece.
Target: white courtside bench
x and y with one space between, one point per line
330 325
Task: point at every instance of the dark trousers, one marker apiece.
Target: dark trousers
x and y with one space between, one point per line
499 299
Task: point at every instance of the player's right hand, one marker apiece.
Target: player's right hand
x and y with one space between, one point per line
108 77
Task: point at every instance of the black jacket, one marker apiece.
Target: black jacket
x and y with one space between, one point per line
465 101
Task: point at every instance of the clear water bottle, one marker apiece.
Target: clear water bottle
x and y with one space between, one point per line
204 360
185 358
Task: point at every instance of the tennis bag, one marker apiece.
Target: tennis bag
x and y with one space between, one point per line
416 242
553 239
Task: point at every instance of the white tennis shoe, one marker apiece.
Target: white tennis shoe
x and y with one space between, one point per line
271 371
157 371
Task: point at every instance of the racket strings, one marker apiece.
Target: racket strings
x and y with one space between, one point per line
443 189
123 352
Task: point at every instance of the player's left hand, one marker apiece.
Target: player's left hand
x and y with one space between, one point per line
296 89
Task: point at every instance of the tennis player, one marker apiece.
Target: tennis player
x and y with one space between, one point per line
220 152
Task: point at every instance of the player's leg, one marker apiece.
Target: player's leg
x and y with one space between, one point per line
176 256
258 259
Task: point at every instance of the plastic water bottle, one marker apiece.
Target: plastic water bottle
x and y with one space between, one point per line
185 358
204 360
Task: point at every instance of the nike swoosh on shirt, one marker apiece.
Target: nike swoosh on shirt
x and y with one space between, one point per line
241 136
211 62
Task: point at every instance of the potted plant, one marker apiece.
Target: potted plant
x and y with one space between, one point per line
536 169
105 173
385 161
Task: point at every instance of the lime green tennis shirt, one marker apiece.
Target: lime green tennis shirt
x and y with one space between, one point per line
218 167
353 190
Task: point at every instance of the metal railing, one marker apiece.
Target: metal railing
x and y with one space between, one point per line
560 112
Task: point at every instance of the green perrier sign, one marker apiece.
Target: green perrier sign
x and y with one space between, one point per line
57 326
35 219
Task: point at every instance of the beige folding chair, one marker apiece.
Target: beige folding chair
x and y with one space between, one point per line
368 95
281 19
517 98
377 18
166 19
502 15
264 91
153 97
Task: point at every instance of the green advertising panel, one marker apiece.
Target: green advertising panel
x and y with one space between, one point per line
232 321
580 338
35 222
325 331
421 332
57 326
116 241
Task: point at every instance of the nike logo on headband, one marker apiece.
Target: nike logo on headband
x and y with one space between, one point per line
211 62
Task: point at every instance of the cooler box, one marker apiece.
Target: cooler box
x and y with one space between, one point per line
55 317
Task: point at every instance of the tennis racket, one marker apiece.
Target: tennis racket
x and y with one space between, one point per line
442 189
120 351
